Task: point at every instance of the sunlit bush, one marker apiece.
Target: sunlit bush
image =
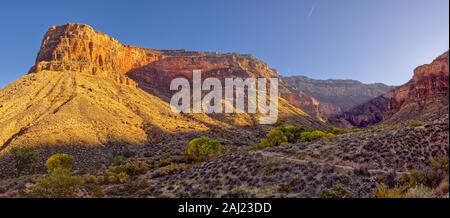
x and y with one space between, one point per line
59 181
56 161
203 148
274 138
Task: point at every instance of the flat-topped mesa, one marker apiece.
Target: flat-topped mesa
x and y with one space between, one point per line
79 48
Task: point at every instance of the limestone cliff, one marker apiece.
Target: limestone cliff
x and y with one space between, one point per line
425 96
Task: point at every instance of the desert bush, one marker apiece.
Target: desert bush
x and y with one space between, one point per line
25 160
437 172
287 186
442 188
121 173
97 192
90 179
60 161
383 192
239 192
293 133
116 178
356 129
203 148
413 178
420 191
172 168
334 131
440 164
415 123
335 192
119 159
274 138
316 134
134 168
59 181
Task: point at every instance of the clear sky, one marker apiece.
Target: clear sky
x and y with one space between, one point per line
366 40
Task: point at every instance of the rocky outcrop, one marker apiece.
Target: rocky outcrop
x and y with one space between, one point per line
326 98
79 48
424 96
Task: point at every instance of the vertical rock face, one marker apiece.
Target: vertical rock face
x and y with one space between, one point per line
160 73
425 95
78 47
430 81
332 97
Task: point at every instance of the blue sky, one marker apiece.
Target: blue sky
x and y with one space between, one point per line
366 40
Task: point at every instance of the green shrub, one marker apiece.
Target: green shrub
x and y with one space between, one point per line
334 131
293 133
121 173
116 178
131 168
203 148
57 161
274 138
316 134
420 191
25 160
59 181
137 168
335 192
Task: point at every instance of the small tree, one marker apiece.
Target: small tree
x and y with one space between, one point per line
59 181
293 133
63 161
25 159
316 134
275 137
203 148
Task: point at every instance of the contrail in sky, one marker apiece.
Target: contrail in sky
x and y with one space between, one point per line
311 12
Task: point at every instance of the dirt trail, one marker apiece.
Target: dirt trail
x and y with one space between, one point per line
319 163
